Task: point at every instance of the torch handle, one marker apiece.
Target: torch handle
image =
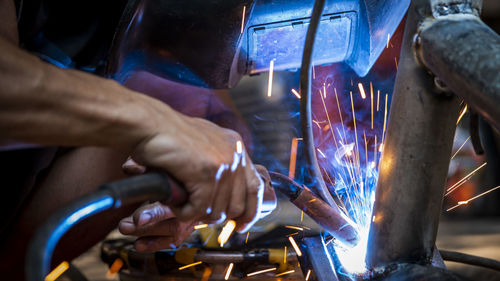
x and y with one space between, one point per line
141 188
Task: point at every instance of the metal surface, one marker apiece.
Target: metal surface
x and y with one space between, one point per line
465 54
318 259
194 42
331 219
414 162
212 44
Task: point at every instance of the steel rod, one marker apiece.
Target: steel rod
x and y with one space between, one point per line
465 54
414 162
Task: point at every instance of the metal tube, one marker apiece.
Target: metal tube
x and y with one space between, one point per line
414 162
465 54
331 219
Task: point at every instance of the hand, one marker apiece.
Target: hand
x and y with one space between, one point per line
221 180
157 228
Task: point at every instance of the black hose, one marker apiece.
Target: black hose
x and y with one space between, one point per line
305 106
470 259
286 185
154 187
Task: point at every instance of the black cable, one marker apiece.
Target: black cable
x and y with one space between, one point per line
470 259
305 106
154 187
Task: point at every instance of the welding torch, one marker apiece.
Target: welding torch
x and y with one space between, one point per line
331 219
161 187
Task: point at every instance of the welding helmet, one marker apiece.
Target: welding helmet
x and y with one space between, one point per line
214 43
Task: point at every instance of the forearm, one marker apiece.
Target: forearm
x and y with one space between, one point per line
43 104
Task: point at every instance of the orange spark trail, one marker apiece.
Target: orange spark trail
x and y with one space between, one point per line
473 198
396 62
385 119
340 113
58 271
113 270
228 271
458 183
295 247
284 256
362 90
378 99
321 152
200 226
460 148
371 98
308 275
286 272
261 271
270 82
190 265
293 158
462 113
294 227
354 119
296 93
226 232
243 19
388 38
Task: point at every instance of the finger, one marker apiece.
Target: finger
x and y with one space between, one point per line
127 226
169 227
130 167
197 207
154 243
238 195
254 196
229 180
152 213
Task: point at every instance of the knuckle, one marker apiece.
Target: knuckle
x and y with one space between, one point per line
236 211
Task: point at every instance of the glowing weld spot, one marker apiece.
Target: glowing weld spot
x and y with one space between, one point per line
60 269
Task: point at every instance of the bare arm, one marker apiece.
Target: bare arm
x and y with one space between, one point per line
44 104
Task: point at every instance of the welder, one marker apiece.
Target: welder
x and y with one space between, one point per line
100 123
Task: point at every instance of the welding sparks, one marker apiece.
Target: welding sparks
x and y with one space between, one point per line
362 90
190 265
226 232
294 227
295 247
270 83
296 93
460 203
243 19
301 216
246 239
464 179
293 157
206 273
58 271
321 152
388 39
200 226
261 271
113 270
239 147
228 271
284 256
396 62
385 118
462 113
460 148
371 98
378 99
308 275
286 272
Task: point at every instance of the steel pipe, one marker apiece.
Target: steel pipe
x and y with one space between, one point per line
414 162
465 54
